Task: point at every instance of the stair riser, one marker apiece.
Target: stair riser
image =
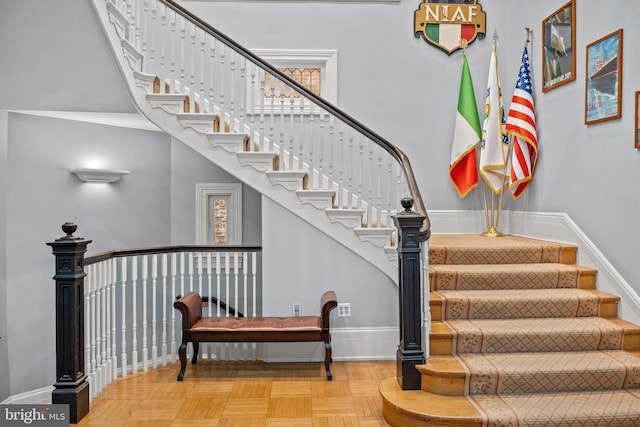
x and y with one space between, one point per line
608 309
441 345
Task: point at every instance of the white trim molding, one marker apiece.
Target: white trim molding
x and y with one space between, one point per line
229 191
354 344
324 59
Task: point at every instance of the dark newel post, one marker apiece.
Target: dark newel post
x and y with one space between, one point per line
71 386
410 351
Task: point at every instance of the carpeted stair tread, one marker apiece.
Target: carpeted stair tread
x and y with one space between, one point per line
522 303
510 276
612 408
549 334
468 249
514 373
509 373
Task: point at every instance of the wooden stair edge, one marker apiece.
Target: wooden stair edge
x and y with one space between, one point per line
443 375
421 409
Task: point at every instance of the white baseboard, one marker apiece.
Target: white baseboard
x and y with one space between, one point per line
41 396
346 343
555 226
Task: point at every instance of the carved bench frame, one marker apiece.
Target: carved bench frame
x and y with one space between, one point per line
197 329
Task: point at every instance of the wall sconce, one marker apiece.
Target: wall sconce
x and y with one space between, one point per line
106 176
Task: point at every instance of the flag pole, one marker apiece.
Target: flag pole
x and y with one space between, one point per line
529 31
493 224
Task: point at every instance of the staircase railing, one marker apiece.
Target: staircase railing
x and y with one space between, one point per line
308 134
129 320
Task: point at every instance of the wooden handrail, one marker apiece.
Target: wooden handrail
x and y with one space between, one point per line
118 253
394 151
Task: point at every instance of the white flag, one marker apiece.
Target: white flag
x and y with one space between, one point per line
494 147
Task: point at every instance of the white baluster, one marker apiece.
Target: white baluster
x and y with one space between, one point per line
227 271
145 338
91 320
253 103
154 311
200 267
341 157
236 291
370 188
254 296
134 315
192 56
212 55
301 142
321 151
351 171
291 110
232 86
172 43
114 318
163 32
103 323
174 345
123 354
164 310
379 189
218 286
98 329
210 304
223 117
190 265
203 39
87 325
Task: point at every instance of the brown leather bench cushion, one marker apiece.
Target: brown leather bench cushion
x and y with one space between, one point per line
258 324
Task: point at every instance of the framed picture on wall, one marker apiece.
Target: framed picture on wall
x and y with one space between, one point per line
558 53
637 120
603 88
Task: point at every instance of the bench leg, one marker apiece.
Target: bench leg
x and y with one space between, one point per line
327 356
196 349
182 354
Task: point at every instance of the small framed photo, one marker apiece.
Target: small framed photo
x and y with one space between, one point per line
637 120
559 35
603 88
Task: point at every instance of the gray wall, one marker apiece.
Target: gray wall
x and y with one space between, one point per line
40 194
4 348
407 91
188 168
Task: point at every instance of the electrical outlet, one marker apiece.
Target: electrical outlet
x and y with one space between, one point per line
344 309
297 309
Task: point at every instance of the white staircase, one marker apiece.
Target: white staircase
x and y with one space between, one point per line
199 87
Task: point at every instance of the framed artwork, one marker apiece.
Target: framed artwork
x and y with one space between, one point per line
559 35
603 88
637 120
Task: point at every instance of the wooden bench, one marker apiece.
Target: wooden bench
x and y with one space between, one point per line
197 329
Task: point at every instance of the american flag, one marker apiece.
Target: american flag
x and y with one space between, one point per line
521 123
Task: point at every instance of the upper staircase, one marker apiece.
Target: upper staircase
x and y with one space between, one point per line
520 337
261 126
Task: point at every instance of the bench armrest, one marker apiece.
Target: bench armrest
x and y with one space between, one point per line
328 302
190 306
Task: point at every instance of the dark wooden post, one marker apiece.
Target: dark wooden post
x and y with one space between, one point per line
71 386
410 351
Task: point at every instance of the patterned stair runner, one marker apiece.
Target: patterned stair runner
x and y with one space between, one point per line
531 342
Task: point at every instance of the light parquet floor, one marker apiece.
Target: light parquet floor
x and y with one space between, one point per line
245 394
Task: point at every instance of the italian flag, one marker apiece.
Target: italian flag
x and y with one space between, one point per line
449 35
466 136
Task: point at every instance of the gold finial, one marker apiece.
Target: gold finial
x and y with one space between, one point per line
464 43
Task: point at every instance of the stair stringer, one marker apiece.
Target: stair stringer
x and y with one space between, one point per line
170 123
